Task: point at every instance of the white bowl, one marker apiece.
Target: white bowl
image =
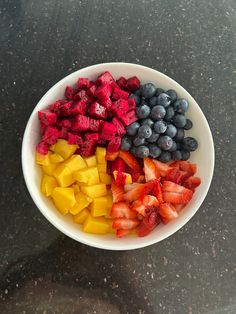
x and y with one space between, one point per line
204 157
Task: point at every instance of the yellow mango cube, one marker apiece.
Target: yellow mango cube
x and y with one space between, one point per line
128 177
105 178
99 206
56 158
89 176
75 163
102 167
109 201
100 155
82 201
76 188
110 222
48 184
90 161
96 225
49 169
64 199
63 175
80 218
41 159
64 149
94 190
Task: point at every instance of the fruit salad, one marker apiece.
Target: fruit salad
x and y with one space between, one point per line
114 155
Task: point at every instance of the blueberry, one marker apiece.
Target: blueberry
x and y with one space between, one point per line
181 105
154 150
132 129
174 147
133 150
158 112
165 157
126 143
148 122
153 101
137 141
188 125
153 138
136 98
138 91
169 113
143 111
172 94
185 154
179 135
159 91
165 142
171 130
176 155
190 144
160 126
148 90
145 131
142 151
163 100
178 145
179 120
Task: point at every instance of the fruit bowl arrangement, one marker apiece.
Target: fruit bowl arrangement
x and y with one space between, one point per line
120 160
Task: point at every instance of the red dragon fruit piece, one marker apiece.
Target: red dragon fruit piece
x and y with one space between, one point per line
103 91
42 148
119 93
106 103
122 82
114 85
69 92
43 127
119 107
98 111
91 138
101 142
133 83
129 118
95 125
74 139
87 149
82 95
120 130
51 135
83 83
65 109
66 124
47 117
80 123
92 89
114 144
108 131
106 77
64 133
131 104
78 107
55 107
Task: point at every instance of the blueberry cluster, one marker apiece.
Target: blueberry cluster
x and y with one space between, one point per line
160 130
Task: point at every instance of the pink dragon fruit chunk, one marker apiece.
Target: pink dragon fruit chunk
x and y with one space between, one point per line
64 133
131 104
129 118
92 89
42 148
74 139
133 83
66 123
114 85
108 131
101 142
107 103
82 95
119 93
122 82
78 107
65 108
91 138
106 77
103 91
87 149
119 107
97 111
120 130
95 125
83 83
80 123
47 117
55 107
114 144
43 127
51 135
69 92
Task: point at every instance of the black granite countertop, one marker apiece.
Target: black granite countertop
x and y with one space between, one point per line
43 271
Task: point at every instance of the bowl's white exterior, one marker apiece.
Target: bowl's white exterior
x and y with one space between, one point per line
204 157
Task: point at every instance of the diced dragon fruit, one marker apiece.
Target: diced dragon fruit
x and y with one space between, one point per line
95 125
78 107
106 77
119 93
82 95
47 117
43 127
83 83
133 83
92 89
66 123
114 144
103 91
114 85
97 111
51 135
87 149
106 103
122 82
64 133
69 92
119 107
131 104
55 107
101 142
108 131
120 130
129 118
42 148
80 123
65 108
91 138
74 139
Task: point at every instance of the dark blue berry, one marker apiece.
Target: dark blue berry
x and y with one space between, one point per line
126 143
145 131
142 151
176 155
153 138
132 129
188 124
190 144
158 112
172 94
159 91
137 141
169 113
173 147
179 135
133 150
163 100
181 105
148 122
143 111
185 154
148 90
171 130
165 142
154 150
153 101
165 157
136 98
138 91
179 120
160 127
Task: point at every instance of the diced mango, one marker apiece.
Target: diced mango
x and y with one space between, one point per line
75 163
41 159
109 200
90 161
94 190
52 147
64 149
89 176
76 188
56 158
64 199
102 167
49 169
99 206
105 178
48 184
100 155
82 201
96 225
128 177
110 222
63 175
80 218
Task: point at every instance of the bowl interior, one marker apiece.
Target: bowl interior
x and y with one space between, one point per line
204 157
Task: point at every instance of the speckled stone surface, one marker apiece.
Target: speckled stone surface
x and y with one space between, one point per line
42 271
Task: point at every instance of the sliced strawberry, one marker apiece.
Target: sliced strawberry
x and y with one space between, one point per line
168 212
119 165
111 155
179 207
120 177
183 165
126 224
158 192
176 176
141 179
149 222
192 182
130 160
135 175
135 193
117 192
175 193
145 202
129 187
122 232
122 210
150 170
161 167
